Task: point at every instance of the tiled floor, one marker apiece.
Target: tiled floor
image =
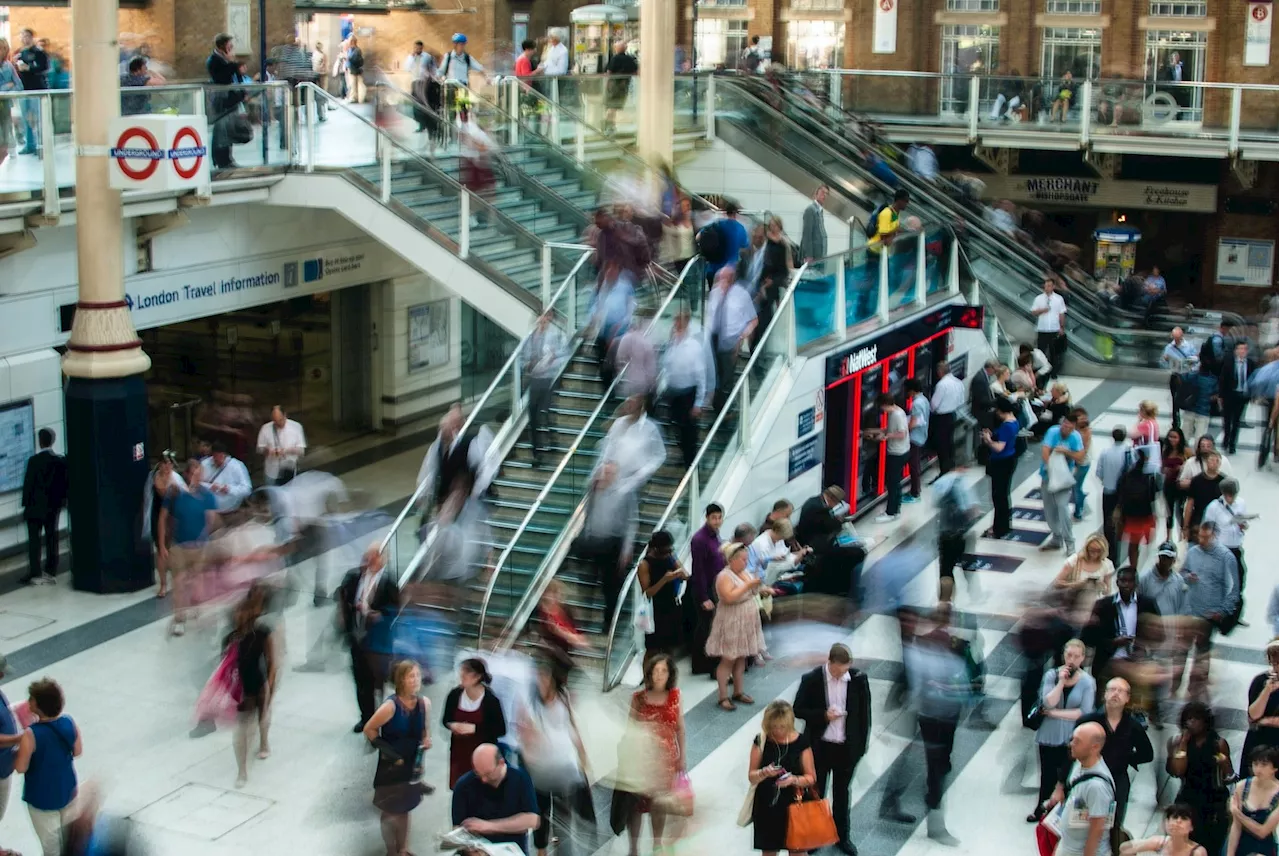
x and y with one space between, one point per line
132 691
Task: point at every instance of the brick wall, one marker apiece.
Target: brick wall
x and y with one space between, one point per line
1237 298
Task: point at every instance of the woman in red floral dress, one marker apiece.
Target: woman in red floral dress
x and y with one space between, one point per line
657 707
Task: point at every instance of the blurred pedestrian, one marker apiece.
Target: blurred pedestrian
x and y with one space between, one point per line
1138 491
472 715
688 373
455 456
553 755
1002 461
733 319
957 510
621 69
608 530
400 729
161 481
660 755
918 433
368 600
188 518
1230 515
736 632
1061 440
775 276
46 758
813 239
613 309
544 355
226 477
476 151
1213 593
635 352
258 662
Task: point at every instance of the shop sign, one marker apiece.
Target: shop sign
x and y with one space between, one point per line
1257 34
154 152
1100 193
803 456
884 37
1242 261
865 354
859 360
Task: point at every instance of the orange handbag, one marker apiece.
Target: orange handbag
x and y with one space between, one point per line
809 823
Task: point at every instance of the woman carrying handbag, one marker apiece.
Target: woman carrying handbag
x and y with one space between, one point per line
782 770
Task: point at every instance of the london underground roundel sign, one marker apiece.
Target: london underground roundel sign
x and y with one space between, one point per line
187 147
129 153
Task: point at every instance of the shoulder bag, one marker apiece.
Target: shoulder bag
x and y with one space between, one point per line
748 804
810 824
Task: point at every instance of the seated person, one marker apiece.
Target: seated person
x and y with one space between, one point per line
835 568
1064 97
495 801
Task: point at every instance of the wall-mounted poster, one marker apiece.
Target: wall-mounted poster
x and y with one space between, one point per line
17 442
1257 34
428 335
884 35
238 26
1242 261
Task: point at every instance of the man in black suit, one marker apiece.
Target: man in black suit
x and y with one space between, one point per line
44 493
1112 631
835 568
835 703
1233 383
982 401
367 603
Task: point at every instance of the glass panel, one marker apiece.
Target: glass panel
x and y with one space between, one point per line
894 95
1175 57
937 251
1071 49
1191 9
719 43
815 44
1073 7
966 50
21 136
903 261
815 301
1257 114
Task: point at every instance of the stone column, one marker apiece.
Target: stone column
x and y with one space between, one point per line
657 79
106 399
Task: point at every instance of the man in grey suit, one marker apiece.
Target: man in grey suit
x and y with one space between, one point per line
813 237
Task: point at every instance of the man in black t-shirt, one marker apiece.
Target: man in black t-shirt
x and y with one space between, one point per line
495 801
33 69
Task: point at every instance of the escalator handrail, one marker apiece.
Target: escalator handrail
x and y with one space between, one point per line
779 316
588 425
947 75
498 379
980 225
515 228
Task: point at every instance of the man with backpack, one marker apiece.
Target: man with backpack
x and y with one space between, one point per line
882 225
721 242
1196 391
456 70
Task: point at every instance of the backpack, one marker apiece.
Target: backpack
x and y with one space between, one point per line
710 242
872 226
1135 488
449 59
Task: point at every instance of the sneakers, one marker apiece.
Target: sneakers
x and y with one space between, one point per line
909 499
1051 544
887 518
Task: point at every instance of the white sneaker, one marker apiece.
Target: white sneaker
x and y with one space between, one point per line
887 518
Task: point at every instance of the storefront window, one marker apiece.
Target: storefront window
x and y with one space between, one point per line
966 50
815 44
720 42
1074 49
1177 56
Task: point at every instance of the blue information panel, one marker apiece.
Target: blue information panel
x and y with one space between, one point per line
1020 513
805 421
803 456
17 443
1026 536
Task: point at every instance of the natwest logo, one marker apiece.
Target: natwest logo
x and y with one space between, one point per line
859 360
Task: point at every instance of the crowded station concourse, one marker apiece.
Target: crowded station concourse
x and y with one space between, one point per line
412 549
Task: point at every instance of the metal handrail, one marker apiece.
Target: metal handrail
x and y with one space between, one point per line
936 75
416 497
555 475
779 315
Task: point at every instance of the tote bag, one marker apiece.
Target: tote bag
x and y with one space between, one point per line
810 824
1060 477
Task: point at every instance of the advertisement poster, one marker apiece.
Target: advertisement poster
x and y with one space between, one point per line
1257 34
884 36
428 335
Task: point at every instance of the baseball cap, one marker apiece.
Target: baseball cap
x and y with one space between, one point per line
1168 548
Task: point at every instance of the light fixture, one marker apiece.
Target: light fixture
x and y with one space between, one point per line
1122 218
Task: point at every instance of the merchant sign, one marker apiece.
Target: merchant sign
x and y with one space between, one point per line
1102 193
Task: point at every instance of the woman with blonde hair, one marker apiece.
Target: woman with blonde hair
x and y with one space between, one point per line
400 730
736 632
10 81
1146 434
1065 694
781 767
1086 575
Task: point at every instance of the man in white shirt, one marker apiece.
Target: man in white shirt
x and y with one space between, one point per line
897 445
456 458
227 478
543 356
281 442
689 373
458 64
1180 356
1051 325
1231 516
556 61
948 397
732 320
634 446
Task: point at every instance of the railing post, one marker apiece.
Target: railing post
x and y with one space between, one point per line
52 200
842 309
546 277
953 270
579 144
555 111
1086 109
710 116
974 111
792 343
1233 133
883 301
290 119
974 294
993 338
205 190
571 314
464 224
922 277
513 109
744 417
384 159
835 89
517 394
695 503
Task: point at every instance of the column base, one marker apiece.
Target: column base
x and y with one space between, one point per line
107 459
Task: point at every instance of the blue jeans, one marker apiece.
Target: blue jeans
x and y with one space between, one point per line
1077 493
30 122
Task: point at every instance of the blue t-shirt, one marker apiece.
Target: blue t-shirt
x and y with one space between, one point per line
514 795
734 239
1053 439
919 435
9 728
188 511
1006 432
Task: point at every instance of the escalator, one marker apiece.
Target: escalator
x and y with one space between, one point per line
1004 274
